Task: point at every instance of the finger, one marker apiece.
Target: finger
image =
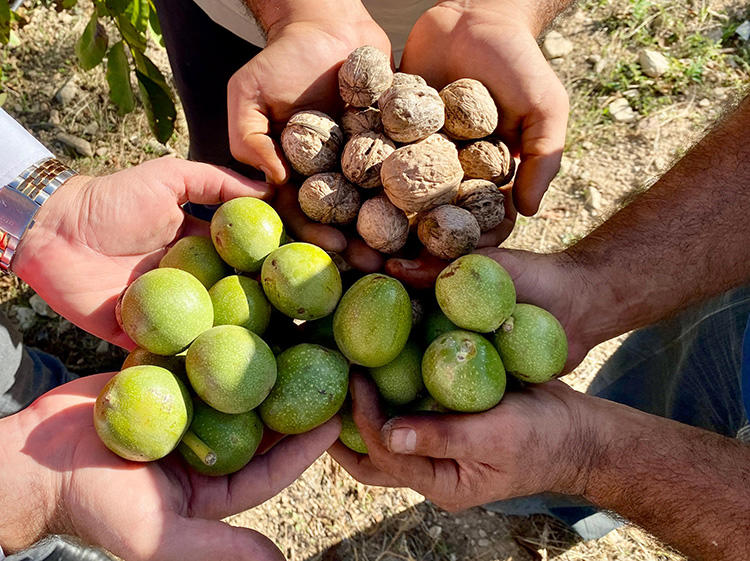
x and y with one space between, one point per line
419 273
509 130
249 133
203 183
269 440
360 467
190 538
542 143
327 237
496 236
362 257
268 474
440 436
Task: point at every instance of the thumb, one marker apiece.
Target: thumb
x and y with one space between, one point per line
195 539
249 132
202 183
436 436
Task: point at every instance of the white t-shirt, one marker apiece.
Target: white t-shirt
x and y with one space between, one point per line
18 149
396 17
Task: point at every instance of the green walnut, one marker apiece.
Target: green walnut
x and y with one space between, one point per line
310 389
400 380
532 344
165 309
435 324
244 231
196 255
240 301
220 443
301 281
463 372
372 322
231 368
142 413
350 435
476 293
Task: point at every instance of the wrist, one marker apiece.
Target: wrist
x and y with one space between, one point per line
517 13
29 493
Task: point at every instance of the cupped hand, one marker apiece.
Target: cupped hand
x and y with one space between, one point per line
94 236
535 440
297 70
156 510
491 42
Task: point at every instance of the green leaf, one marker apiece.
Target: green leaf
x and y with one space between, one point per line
132 36
156 96
92 45
4 22
138 11
155 25
116 7
118 78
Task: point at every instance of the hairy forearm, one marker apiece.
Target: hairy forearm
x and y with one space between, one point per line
279 13
685 485
537 13
684 240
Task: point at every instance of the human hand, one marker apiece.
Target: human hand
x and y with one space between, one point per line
537 439
297 70
58 477
94 236
494 43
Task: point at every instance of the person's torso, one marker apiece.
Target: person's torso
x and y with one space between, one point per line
396 17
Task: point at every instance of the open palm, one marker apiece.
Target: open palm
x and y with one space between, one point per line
96 235
158 510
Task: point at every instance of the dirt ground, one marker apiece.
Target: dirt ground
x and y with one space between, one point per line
326 515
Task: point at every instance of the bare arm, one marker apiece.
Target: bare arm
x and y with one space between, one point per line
688 486
684 240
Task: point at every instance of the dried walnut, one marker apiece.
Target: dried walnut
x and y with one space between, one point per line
355 120
364 75
311 141
382 226
448 231
411 113
363 156
329 198
470 111
482 199
487 159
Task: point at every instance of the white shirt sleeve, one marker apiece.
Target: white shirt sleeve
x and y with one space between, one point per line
18 150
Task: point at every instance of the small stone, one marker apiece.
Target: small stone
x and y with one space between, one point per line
593 199
75 143
743 30
483 543
653 63
64 326
621 111
556 46
91 129
435 532
482 533
54 117
25 317
102 348
41 307
67 93
600 66
101 152
704 102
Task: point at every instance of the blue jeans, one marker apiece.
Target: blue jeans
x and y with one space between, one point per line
687 368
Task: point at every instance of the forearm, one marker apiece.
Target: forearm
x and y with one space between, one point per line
537 13
24 498
687 486
276 15
684 240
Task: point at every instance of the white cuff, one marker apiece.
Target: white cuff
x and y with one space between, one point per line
18 150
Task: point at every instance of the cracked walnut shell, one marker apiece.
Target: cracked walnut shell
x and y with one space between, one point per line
470 111
422 175
363 156
311 141
364 75
329 198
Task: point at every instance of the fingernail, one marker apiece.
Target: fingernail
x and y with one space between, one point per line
402 441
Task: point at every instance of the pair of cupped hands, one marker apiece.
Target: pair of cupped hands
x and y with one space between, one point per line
96 235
